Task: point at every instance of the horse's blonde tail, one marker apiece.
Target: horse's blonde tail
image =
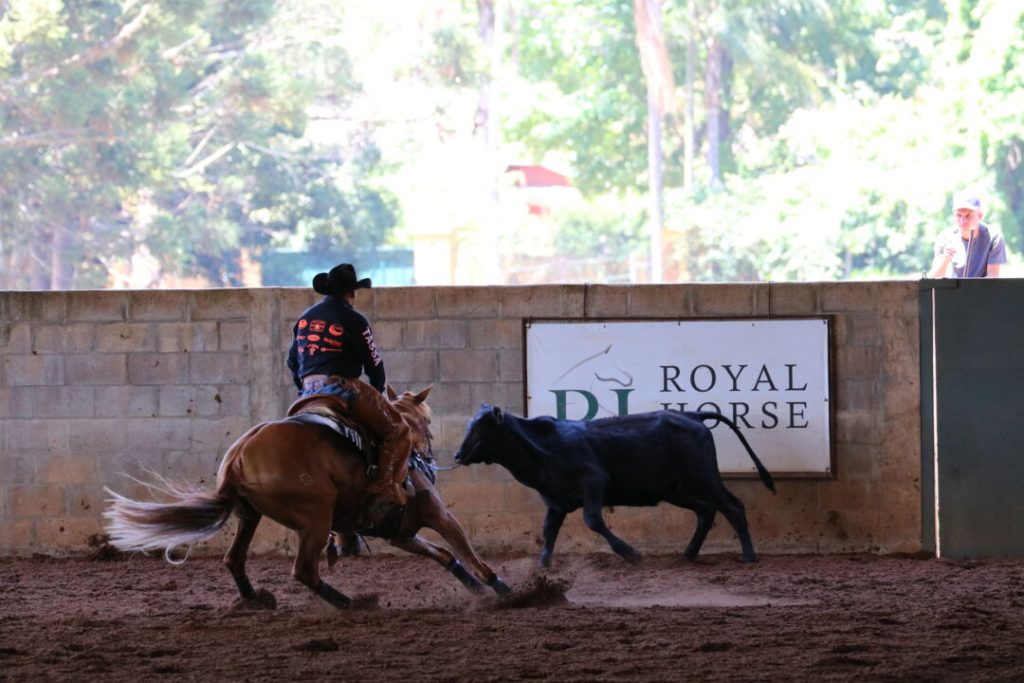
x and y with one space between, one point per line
191 516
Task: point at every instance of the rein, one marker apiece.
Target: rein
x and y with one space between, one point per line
447 469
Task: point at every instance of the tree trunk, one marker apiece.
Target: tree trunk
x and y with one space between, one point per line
657 68
41 252
654 171
485 122
713 109
688 115
485 31
62 257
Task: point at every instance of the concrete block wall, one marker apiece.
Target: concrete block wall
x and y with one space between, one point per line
95 386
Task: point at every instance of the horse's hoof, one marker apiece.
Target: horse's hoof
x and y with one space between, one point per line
261 600
499 586
462 574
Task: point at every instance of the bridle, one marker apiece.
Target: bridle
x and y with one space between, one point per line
429 456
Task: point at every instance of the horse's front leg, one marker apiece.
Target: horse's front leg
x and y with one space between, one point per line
434 514
420 546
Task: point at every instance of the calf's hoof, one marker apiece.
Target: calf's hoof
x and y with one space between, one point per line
629 555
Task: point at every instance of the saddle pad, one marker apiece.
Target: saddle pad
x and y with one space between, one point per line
347 432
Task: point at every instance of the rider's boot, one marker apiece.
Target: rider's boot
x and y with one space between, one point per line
392 465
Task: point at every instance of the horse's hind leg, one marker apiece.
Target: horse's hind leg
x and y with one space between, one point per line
234 559
306 571
420 546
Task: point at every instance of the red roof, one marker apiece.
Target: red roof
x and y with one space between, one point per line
537 176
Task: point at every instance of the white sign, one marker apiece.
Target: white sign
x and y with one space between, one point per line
770 377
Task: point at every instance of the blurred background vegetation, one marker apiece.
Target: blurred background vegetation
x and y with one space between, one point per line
169 143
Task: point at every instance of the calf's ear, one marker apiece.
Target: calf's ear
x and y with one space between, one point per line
499 416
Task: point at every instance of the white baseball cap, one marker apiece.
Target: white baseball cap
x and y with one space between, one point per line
966 199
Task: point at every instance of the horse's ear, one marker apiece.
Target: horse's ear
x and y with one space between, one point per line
391 393
422 396
499 416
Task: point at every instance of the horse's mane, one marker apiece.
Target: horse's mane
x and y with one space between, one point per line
417 414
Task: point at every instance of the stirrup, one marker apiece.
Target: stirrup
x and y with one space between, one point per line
371 472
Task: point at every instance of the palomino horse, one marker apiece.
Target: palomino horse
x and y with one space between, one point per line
303 475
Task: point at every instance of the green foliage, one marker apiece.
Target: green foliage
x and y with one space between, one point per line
847 127
180 123
595 113
207 134
603 229
1002 100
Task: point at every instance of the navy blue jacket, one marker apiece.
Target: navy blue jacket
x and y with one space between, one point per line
333 338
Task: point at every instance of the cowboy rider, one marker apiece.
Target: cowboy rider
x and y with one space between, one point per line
332 346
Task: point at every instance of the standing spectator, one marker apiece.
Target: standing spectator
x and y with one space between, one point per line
972 248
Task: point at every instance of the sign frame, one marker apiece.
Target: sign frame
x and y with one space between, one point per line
824 464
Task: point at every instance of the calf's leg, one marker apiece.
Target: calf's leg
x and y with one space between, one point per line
705 519
552 525
593 501
732 509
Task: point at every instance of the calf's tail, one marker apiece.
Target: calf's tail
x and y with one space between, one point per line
762 471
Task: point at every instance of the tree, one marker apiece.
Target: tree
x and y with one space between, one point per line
994 73
588 96
177 127
650 40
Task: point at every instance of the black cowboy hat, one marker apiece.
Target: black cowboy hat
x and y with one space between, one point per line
341 279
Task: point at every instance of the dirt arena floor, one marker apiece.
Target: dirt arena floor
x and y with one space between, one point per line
589 618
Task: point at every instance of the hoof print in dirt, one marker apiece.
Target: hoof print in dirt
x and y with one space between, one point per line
103 551
371 601
541 591
319 645
263 600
